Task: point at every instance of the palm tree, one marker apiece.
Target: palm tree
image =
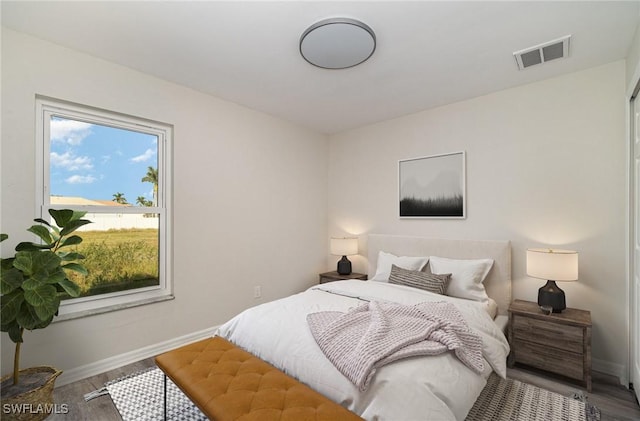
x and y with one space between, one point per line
119 198
152 177
142 201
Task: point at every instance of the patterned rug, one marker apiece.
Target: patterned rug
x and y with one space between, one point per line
139 397
506 400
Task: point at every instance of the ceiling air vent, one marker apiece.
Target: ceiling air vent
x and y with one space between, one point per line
558 48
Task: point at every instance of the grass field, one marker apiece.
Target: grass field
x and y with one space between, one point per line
117 260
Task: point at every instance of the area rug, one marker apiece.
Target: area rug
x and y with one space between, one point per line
505 400
139 397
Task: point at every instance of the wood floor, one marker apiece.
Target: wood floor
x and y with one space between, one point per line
97 409
616 403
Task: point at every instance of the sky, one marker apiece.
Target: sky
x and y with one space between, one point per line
430 177
95 162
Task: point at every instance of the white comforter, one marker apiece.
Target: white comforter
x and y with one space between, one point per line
425 388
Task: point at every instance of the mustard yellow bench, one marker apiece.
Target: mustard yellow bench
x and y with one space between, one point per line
230 384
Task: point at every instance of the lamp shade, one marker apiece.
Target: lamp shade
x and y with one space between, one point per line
552 265
344 246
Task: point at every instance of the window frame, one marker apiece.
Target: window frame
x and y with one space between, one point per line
101 303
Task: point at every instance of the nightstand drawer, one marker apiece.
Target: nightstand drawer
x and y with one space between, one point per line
567 363
565 337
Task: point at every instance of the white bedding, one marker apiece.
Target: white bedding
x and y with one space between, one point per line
424 388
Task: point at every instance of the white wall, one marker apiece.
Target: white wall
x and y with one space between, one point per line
546 166
632 62
249 201
105 222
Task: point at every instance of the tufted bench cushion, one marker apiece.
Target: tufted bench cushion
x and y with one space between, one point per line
230 384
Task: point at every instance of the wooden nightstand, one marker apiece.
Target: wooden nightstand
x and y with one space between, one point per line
558 342
335 276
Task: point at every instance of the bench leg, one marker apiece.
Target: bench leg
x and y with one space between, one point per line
165 397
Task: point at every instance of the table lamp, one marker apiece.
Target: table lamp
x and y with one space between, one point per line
344 247
552 265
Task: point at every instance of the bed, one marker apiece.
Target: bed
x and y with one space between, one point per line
438 387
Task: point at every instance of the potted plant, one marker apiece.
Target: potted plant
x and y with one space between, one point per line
32 284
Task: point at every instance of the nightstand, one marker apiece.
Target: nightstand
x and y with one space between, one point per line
335 276
557 342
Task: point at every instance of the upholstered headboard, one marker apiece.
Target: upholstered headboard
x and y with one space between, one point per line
497 282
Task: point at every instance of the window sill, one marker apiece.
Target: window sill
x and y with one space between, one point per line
110 308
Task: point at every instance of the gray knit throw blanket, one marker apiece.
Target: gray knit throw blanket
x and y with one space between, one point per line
377 333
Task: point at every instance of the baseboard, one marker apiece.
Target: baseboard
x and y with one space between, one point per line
607 367
88 370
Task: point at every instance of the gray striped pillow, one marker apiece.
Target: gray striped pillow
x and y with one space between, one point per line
421 280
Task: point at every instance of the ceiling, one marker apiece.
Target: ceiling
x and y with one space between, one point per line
428 53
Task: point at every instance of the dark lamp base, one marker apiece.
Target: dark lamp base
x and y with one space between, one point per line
552 296
344 266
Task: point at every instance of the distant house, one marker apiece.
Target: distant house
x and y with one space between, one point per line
107 221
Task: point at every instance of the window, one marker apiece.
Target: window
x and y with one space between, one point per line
116 168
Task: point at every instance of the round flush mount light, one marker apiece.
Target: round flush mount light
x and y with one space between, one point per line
337 43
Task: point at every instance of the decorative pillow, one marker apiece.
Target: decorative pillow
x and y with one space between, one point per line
466 276
385 260
421 280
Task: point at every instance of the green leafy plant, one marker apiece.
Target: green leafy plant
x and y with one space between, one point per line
33 281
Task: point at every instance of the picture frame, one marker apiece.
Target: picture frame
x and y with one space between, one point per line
433 186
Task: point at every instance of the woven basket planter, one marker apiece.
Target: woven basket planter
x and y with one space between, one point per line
35 404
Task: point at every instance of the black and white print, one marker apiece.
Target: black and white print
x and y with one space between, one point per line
432 186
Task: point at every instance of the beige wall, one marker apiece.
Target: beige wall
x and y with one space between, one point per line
546 166
250 199
633 59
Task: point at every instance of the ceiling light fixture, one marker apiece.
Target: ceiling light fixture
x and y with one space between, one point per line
337 43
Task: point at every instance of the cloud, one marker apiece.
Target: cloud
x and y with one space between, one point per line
70 162
147 155
80 179
69 131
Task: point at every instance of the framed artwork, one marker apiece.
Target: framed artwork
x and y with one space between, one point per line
432 186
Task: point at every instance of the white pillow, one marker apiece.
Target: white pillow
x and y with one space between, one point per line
385 260
466 276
